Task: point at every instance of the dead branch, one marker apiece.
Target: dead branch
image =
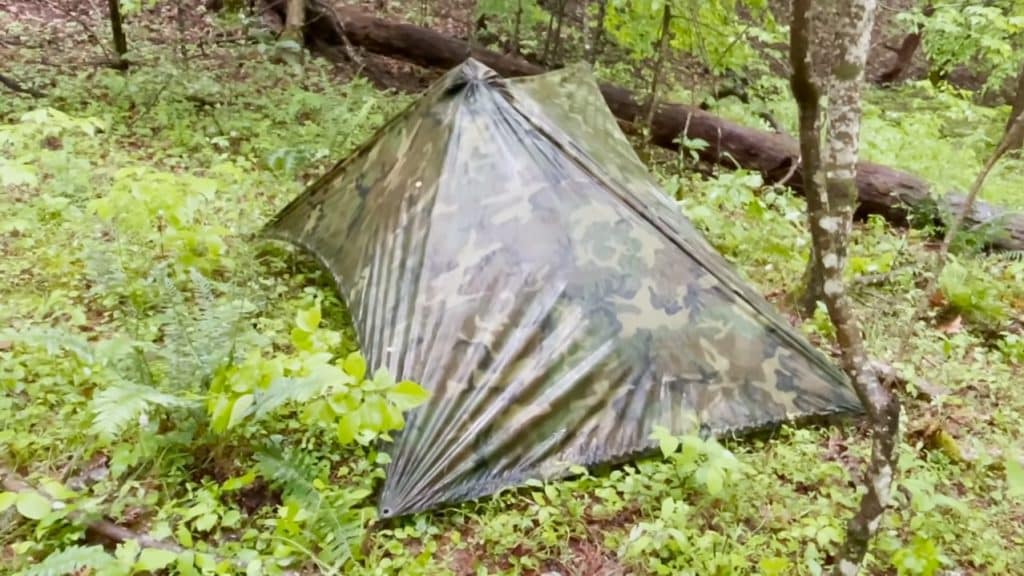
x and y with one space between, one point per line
20 88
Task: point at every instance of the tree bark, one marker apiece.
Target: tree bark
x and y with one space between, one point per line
826 205
558 31
516 27
16 86
899 197
117 29
652 104
596 44
294 20
1016 110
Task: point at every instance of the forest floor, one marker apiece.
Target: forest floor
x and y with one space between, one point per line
129 204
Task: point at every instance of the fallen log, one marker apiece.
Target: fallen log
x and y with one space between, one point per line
899 197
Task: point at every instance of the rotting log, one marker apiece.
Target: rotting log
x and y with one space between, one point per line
897 196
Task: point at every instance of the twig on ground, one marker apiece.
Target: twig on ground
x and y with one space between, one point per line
337 23
103 528
16 86
12 482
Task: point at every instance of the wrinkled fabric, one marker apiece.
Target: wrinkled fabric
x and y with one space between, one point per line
500 243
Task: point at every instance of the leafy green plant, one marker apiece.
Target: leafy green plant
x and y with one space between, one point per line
973 294
958 33
333 393
711 31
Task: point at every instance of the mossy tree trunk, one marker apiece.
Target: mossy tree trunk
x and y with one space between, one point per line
830 189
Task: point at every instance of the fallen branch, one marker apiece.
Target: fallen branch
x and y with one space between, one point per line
104 528
16 86
898 197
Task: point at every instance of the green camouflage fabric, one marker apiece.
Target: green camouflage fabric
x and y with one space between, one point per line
500 243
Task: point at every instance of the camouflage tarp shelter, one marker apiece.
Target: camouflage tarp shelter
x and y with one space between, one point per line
500 243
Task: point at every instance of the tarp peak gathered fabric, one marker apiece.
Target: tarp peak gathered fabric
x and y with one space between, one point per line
500 243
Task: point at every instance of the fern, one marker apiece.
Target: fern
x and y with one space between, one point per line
105 273
336 522
294 472
74 559
55 341
114 408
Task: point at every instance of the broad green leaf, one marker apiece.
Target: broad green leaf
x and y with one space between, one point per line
309 319
382 379
407 395
206 522
714 480
183 535
348 427
240 409
774 565
32 505
15 174
355 366
153 559
220 415
7 499
667 443
237 482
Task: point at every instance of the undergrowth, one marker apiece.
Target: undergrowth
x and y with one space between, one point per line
163 369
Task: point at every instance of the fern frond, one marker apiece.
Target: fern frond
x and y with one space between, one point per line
292 471
72 560
336 522
114 408
54 340
104 271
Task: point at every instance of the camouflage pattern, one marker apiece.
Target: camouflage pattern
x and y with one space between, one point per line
500 243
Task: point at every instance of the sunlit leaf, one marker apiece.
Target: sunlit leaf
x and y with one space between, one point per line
32 505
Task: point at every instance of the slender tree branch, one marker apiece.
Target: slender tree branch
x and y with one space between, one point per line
104 528
1014 133
827 232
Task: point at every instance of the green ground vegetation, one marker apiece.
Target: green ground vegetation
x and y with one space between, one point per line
163 369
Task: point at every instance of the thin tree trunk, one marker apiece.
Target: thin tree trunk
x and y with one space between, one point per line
585 29
295 19
117 29
558 30
1018 107
516 27
812 285
827 232
547 38
652 105
597 43
180 17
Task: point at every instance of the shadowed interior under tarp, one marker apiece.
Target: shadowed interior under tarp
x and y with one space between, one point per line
500 243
